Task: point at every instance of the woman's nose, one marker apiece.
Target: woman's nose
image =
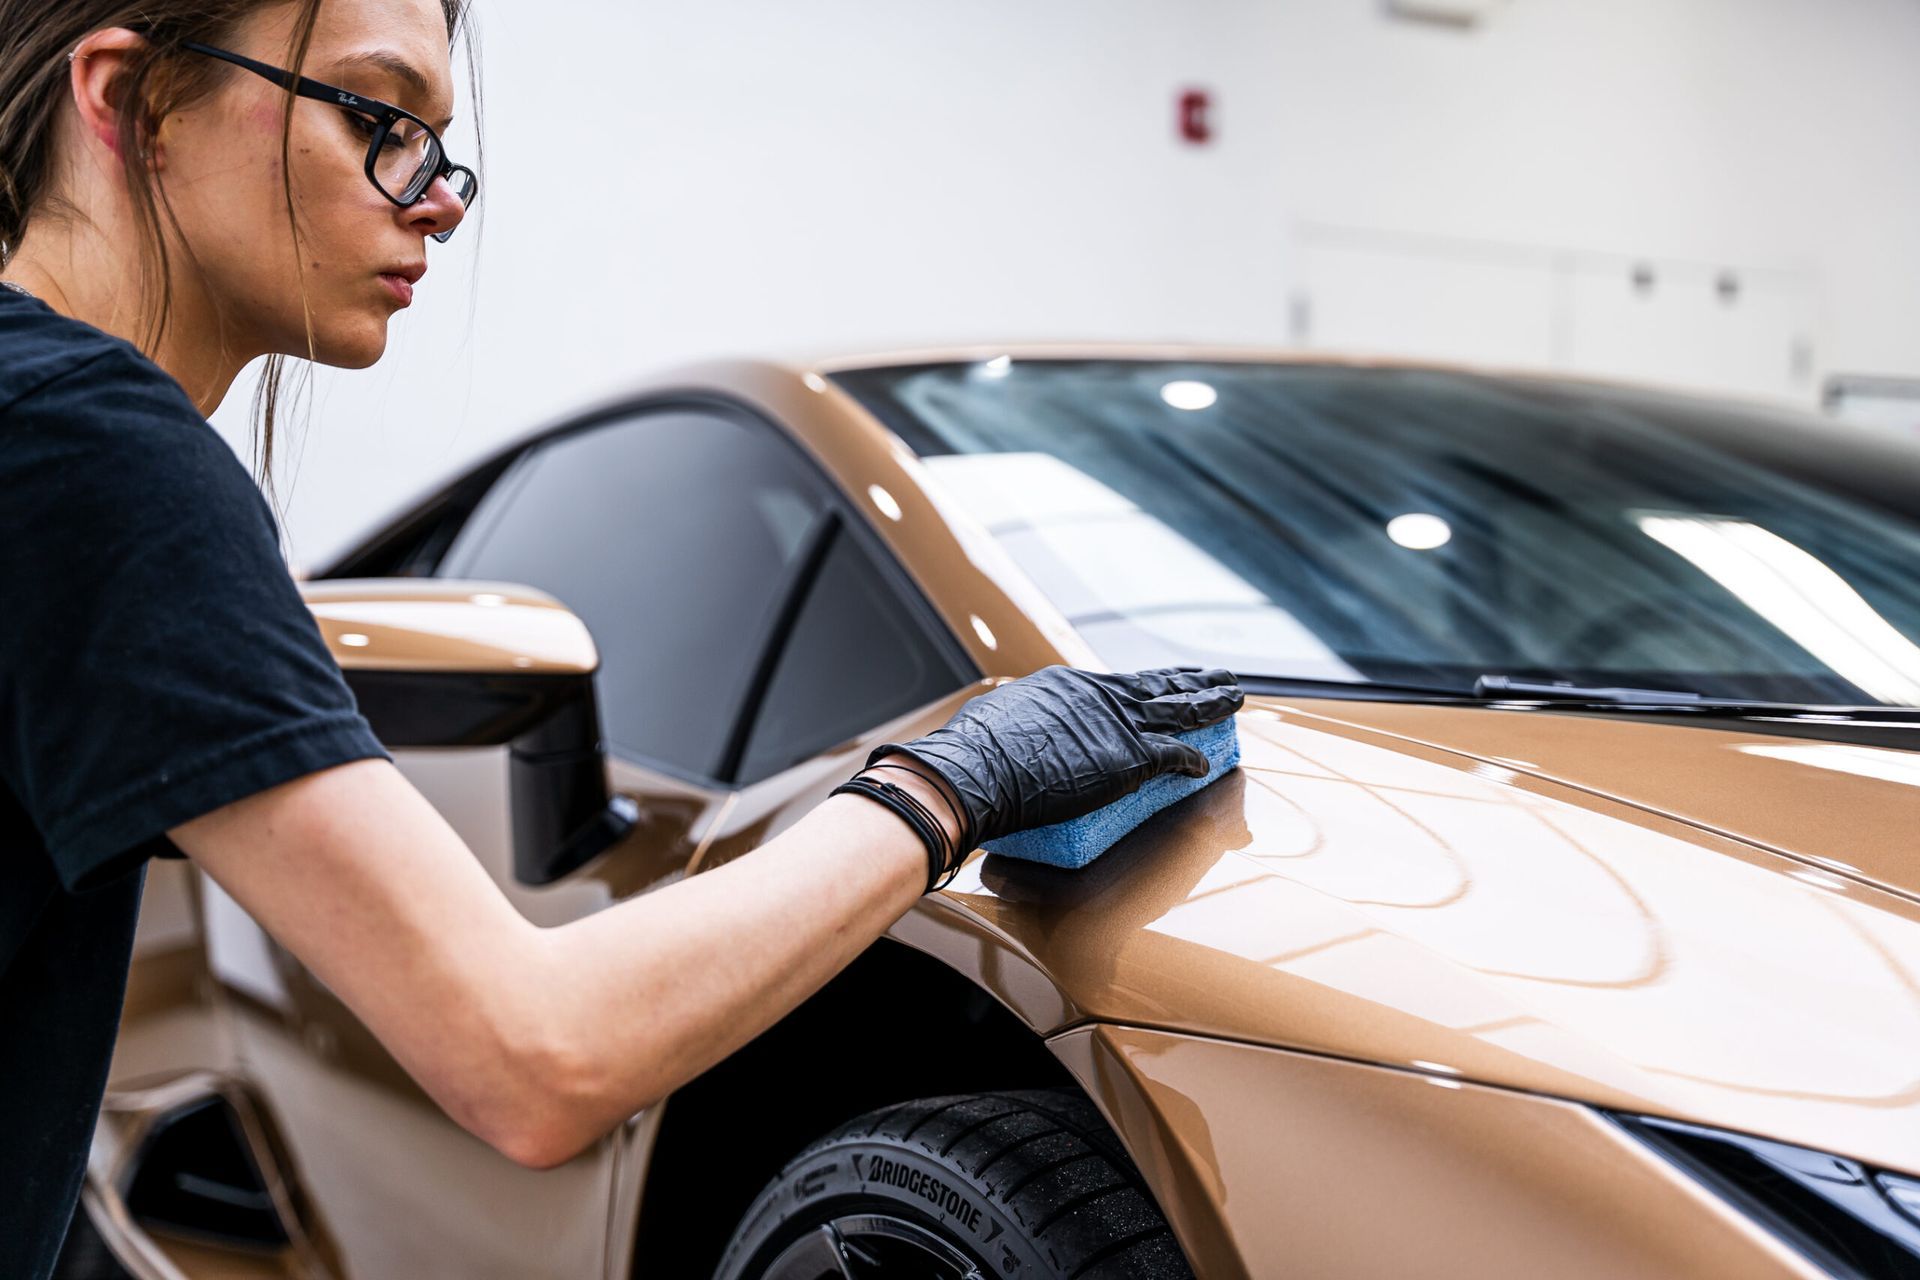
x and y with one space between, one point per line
440 210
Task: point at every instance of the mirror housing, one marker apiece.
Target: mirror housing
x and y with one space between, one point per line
437 663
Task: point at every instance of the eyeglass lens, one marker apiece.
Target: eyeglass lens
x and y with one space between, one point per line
408 159
464 185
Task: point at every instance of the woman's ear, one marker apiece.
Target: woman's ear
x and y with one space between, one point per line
98 79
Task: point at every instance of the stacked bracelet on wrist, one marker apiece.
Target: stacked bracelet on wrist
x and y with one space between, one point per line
944 854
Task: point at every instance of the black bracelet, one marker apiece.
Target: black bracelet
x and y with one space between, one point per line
948 795
891 797
941 855
954 849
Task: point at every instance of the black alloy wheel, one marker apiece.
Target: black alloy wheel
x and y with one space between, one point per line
1028 1184
871 1244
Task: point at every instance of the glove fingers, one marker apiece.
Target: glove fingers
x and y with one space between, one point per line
1170 755
1159 682
1143 684
1192 679
1180 712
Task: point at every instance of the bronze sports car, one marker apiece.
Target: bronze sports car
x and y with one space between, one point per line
1562 918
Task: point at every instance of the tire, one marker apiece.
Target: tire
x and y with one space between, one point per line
1028 1184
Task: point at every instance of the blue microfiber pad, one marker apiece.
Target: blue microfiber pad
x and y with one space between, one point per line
1075 843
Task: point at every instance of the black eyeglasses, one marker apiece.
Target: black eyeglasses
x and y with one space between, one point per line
404 154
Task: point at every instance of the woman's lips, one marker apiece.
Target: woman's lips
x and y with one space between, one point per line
399 286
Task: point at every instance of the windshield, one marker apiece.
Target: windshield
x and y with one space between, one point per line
1414 526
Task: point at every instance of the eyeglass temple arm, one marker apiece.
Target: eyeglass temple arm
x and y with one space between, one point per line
297 84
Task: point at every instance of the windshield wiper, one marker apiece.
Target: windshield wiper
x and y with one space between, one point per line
1377 690
1502 688
1498 688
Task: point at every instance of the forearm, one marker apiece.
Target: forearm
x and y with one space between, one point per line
648 994
539 1040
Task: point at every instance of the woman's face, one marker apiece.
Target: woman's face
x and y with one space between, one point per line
220 165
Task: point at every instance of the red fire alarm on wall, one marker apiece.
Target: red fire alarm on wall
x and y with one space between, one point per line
1196 117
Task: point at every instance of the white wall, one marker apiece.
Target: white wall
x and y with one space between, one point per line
814 175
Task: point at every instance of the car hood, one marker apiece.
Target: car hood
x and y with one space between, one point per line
1718 926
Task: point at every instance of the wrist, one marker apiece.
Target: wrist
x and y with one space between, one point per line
882 836
923 784
922 798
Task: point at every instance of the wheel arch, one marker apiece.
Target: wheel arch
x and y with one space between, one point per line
722 1137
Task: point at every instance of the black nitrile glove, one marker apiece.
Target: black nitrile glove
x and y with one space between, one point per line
1063 742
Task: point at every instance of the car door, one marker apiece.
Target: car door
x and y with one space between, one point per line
721 576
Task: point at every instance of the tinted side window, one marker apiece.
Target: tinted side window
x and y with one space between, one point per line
670 534
856 657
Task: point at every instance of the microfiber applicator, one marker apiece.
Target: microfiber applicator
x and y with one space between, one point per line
1075 843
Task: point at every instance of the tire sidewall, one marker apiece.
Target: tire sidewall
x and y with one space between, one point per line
853 1175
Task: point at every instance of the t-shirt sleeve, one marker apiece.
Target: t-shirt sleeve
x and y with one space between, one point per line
156 658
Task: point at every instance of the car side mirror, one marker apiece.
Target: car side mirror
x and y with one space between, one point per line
437 663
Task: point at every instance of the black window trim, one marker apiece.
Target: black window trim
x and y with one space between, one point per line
923 619
795 591
413 543
840 518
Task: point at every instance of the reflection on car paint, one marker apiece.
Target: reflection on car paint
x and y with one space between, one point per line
1522 932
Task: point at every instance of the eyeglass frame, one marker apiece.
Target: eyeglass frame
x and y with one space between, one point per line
384 114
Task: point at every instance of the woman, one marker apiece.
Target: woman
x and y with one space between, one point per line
173 204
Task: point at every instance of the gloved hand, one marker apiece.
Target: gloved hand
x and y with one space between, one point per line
1063 742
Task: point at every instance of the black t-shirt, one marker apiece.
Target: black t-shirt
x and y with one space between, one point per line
156 663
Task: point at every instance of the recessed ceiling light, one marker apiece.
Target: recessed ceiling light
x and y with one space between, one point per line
1190 396
1418 531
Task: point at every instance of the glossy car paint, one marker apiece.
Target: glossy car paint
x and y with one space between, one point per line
1372 898
424 625
1401 940
1343 1169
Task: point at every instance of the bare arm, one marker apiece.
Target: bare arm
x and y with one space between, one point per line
540 1040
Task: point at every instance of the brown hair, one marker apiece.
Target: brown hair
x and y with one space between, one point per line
36 37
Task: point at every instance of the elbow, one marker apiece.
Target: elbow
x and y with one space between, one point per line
548 1106
534 1129
536 1146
